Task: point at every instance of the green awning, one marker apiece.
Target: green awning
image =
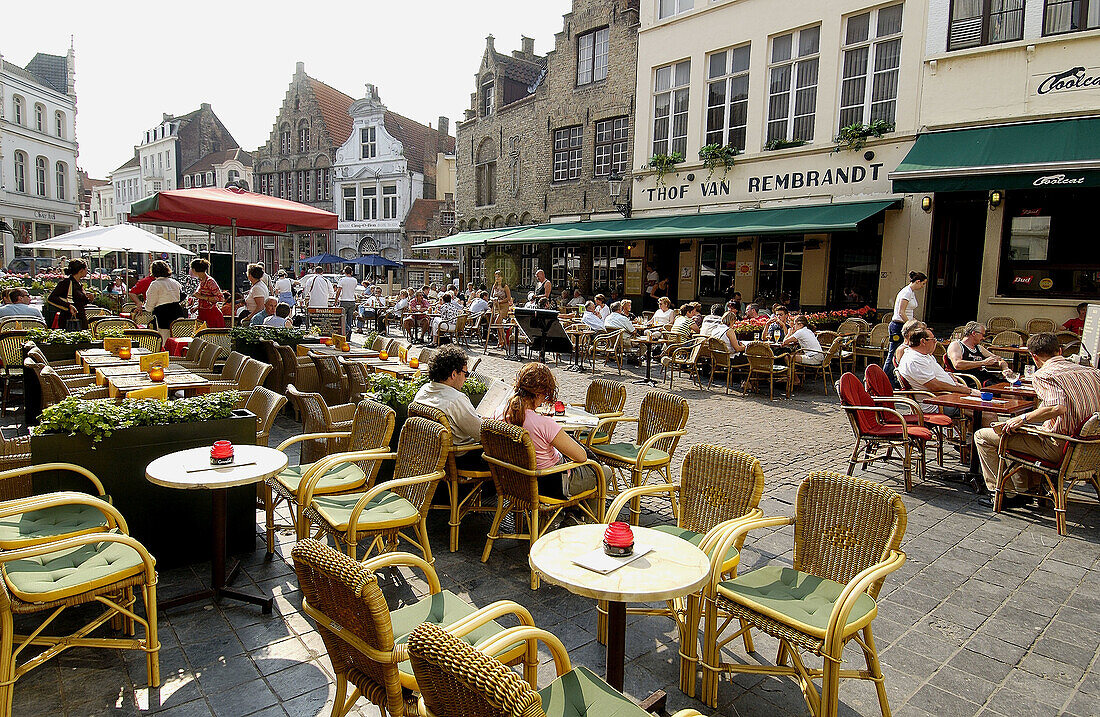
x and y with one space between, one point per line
468 238
1053 155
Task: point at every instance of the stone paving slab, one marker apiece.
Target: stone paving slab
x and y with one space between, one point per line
992 615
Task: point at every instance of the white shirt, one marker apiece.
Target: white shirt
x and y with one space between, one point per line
617 321
465 423
905 293
164 290
278 322
918 369
255 297
318 291
284 286
401 305
663 317
347 285
604 311
578 301
717 330
479 305
811 347
592 321
20 310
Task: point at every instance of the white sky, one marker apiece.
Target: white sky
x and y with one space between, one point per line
135 60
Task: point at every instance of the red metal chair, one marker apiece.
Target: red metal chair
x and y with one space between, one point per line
871 428
882 391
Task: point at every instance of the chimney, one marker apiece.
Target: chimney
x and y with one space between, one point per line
528 44
164 116
300 68
489 43
205 106
444 126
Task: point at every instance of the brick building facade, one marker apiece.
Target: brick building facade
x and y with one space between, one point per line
429 219
541 137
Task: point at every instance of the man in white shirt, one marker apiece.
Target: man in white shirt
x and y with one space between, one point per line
20 305
923 373
317 289
591 319
372 307
577 299
345 294
618 320
811 355
447 372
257 295
479 305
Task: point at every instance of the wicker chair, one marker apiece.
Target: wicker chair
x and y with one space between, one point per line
763 365
379 343
252 375
209 354
825 368
127 307
93 312
100 567
142 318
231 369
1039 325
1000 323
358 374
1080 463
334 384
608 346
511 457
882 391
717 487
293 366
661 420
191 356
181 328
32 526
877 426
15 453
365 640
604 399
384 512
1066 338
847 539
458 480
221 337
370 430
958 333
276 380
55 389
100 326
17 323
265 404
318 417
685 358
146 338
11 353
457 332
457 680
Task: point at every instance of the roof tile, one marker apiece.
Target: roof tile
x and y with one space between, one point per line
334 106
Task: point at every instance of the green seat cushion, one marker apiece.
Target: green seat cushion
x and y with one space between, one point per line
581 692
600 437
35 525
344 475
60 574
385 509
692 537
628 453
796 598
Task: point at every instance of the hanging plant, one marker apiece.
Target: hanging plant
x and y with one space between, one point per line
854 136
663 164
715 154
783 144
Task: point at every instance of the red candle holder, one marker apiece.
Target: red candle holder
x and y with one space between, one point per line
221 453
156 374
559 409
618 540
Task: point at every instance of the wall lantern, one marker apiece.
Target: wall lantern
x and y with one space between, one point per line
926 203
995 198
615 189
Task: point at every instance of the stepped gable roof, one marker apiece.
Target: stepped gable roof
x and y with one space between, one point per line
213 159
334 106
421 213
414 138
519 69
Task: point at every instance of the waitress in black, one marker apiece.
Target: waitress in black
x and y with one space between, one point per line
67 300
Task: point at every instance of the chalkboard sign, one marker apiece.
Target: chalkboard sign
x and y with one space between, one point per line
1090 336
327 321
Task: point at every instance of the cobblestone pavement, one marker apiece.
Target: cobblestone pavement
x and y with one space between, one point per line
991 615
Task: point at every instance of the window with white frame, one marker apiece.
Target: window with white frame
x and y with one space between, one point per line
40 176
284 140
608 263
368 147
157 186
670 108
307 176
668 8
389 201
728 97
303 136
565 264
187 181
233 175
476 266
210 179
567 153
448 252
592 50
437 277
612 151
792 85
529 264
872 56
59 124
447 218
282 185
326 183
20 111
40 118
301 185
1070 16
370 202
349 203
984 22
20 172
487 96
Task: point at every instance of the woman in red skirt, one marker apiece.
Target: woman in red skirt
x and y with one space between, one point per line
209 295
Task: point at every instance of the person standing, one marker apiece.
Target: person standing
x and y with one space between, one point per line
284 287
542 286
345 294
163 296
137 293
905 306
208 296
67 300
317 289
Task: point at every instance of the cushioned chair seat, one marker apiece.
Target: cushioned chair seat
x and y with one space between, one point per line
894 431
342 477
780 368
31 527
628 453
930 419
600 437
796 598
581 692
55 575
692 537
387 509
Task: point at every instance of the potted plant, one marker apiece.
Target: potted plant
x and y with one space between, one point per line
663 164
715 154
855 135
246 339
59 345
783 144
116 441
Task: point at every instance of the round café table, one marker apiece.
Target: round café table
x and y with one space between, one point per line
191 470
673 568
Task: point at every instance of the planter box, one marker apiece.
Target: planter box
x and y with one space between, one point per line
173 524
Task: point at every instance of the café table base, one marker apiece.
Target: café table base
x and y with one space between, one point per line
616 644
648 380
218 578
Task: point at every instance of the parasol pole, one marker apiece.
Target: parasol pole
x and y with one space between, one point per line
233 274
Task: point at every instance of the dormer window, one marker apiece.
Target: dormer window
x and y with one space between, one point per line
210 179
487 96
187 181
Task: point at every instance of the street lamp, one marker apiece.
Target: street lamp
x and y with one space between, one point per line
615 188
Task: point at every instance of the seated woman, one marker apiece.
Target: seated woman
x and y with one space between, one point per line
535 386
664 315
811 353
727 333
967 355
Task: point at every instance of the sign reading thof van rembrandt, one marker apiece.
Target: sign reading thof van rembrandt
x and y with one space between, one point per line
772 182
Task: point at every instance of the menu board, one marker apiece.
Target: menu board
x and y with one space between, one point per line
327 321
1090 336
633 277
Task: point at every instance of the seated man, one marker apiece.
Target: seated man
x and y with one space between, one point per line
967 355
446 373
480 304
449 311
591 319
372 306
776 329
811 353
919 367
752 311
1068 395
260 319
1077 324
713 320
281 319
577 300
20 305
618 320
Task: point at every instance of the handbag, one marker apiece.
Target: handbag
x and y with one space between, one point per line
73 324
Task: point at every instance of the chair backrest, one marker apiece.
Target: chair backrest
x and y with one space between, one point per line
11 348
877 382
146 338
358 378
331 375
958 333
21 322
879 335
159 392
1085 457
233 366
128 307
209 354
717 484
852 326
853 393
457 680
760 356
422 448
142 317
379 343
339 591
662 411
221 337
194 349
605 396
252 374
52 385
392 347
371 428
1000 323
266 404
1038 326
940 354
511 445
718 352
94 311
183 327
290 362
833 352
1066 337
276 379
311 407
844 525
101 326
826 337
1008 337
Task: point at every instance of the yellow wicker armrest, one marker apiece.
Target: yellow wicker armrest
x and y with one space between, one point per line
721 541
540 472
847 600
72 468
318 470
463 448
310 437
408 560
644 448
629 494
384 657
613 421
496 644
485 615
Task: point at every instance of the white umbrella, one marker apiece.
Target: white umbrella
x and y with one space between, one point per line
120 237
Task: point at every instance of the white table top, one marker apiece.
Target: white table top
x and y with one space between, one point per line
576 419
672 569
170 471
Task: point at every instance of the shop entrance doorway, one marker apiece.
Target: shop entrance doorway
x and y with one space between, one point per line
664 255
955 257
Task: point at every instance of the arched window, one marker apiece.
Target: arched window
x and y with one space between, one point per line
234 175
303 137
284 139
59 123
59 172
20 172
40 176
187 181
20 112
485 172
40 118
210 179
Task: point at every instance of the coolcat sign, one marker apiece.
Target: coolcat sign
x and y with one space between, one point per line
1075 78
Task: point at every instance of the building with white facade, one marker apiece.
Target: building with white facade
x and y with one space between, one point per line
103 206
39 192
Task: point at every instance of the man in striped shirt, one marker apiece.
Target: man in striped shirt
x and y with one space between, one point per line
1068 395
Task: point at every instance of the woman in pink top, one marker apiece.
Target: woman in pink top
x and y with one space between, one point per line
535 386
